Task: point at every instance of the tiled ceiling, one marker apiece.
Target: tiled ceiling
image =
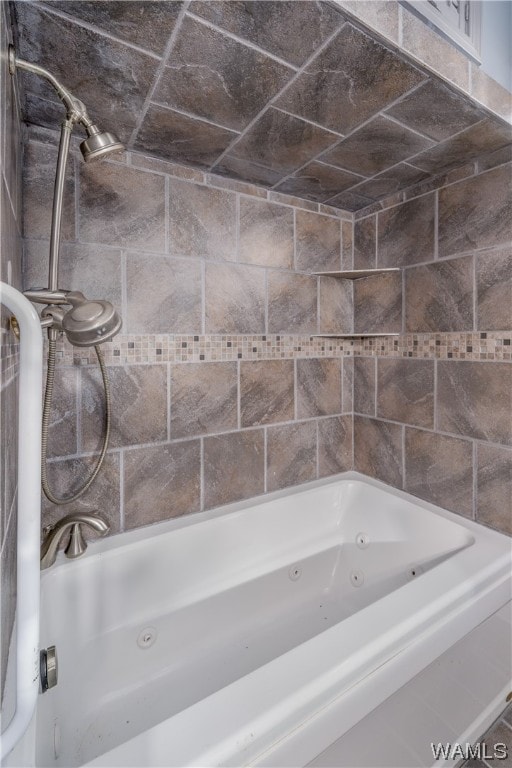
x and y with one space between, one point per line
291 95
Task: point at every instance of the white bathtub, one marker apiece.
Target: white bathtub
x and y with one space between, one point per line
258 633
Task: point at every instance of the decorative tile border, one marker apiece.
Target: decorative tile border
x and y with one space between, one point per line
164 348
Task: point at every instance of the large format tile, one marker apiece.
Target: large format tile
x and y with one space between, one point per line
365 243
292 303
291 454
378 304
439 297
202 221
336 305
317 181
233 467
274 25
207 74
350 80
439 469
203 398
476 212
266 234
494 289
266 392
390 181
407 233
494 487
365 380
475 399
318 242
334 445
318 387
378 450
376 146
234 299
161 482
405 391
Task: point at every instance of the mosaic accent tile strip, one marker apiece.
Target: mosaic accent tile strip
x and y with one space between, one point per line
164 348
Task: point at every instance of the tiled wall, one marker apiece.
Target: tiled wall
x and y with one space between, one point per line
241 400
440 424
10 249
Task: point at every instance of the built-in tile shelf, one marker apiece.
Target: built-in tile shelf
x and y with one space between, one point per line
364 335
357 274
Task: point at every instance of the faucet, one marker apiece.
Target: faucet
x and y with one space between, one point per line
77 545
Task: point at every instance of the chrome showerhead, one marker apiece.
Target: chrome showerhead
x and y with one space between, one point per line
89 322
97 144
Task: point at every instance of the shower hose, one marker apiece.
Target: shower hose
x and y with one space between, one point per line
50 378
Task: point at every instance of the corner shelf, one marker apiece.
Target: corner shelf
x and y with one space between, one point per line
357 274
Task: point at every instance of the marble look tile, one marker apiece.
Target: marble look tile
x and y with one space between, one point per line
376 146
207 75
474 399
347 245
233 467
407 233
494 289
202 221
436 111
378 450
146 25
172 136
365 380
58 44
163 295
480 138
381 15
317 181
266 234
350 201
439 297
139 405
234 299
378 304
405 391
439 469
122 206
236 168
39 167
334 445
266 392
375 77
292 303
275 25
62 433
489 92
494 487
68 475
282 142
391 181
318 387
161 482
318 242
365 243
336 305
476 212
203 398
291 455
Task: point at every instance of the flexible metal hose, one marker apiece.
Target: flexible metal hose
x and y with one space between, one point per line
50 378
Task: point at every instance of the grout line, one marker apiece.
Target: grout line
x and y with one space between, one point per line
475 295
400 27
167 214
436 225
121 491
318 324
238 395
376 386
317 448
237 229
403 457
475 480
404 303
203 296
266 326
201 473
169 399
265 438
192 116
316 125
124 285
295 392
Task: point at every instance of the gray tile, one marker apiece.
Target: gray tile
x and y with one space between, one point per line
388 182
376 146
476 212
494 489
161 482
139 405
474 399
347 245
202 221
122 206
378 304
235 299
236 168
374 75
436 111
207 74
336 305
62 432
317 181
163 295
266 392
291 455
439 297
494 289
407 233
318 387
233 467
350 201
347 395
365 379
439 469
318 242
365 243
275 25
203 398
40 163
378 450
170 135
292 303
266 234
334 445
405 391
493 159
282 142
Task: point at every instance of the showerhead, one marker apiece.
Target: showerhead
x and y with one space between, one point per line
97 144
88 323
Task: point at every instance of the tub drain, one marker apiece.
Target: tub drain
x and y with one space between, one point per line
146 637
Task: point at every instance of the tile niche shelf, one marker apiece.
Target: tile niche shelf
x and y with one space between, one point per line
355 274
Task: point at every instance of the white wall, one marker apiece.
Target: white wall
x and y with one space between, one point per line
496 50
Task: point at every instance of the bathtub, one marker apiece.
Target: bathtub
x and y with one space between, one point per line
260 632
